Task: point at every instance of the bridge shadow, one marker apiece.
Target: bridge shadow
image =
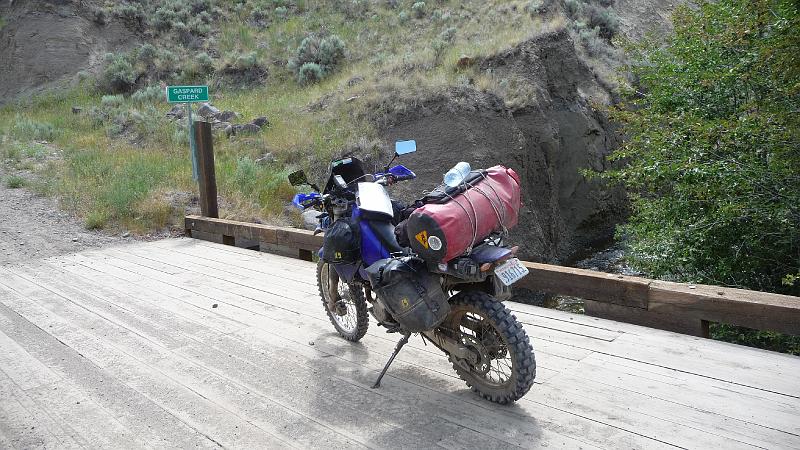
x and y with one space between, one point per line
416 406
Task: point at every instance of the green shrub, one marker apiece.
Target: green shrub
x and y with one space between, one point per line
182 16
310 73
243 69
27 129
147 54
10 152
15 182
603 18
132 13
100 16
148 95
325 53
402 17
448 35
574 8
418 9
281 12
119 75
112 101
439 47
246 61
96 220
246 176
356 9
594 44
537 7
768 340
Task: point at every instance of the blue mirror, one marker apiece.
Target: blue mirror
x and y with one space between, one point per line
405 147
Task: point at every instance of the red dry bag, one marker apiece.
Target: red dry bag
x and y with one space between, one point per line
441 231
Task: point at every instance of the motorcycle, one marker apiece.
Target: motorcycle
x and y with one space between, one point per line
461 299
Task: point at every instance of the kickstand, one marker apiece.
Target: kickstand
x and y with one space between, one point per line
397 348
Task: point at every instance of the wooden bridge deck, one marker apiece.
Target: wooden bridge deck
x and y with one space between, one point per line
185 343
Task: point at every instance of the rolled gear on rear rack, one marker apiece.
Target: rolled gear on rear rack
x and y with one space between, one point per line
453 220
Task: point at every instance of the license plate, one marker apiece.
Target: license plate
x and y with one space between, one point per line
510 271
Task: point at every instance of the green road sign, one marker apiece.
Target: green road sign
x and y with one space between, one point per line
187 94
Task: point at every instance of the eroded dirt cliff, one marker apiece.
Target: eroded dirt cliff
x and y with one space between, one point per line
548 143
45 44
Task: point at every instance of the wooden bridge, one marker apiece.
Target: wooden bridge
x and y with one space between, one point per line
187 343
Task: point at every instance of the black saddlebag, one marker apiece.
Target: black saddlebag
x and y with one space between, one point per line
342 243
411 294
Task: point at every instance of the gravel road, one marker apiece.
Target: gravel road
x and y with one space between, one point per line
33 227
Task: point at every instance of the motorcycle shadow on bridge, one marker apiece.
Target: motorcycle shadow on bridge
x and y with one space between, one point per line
421 401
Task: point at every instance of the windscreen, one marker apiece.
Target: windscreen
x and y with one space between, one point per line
349 168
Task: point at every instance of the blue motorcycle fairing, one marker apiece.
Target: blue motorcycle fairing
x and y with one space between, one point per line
371 250
402 172
303 201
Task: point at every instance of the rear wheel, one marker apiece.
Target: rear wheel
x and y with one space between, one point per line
505 366
344 303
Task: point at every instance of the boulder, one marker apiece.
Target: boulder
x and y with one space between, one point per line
355 80
207 110
310 221
260 122
226 116
465 61
220 125
176 112
248 128
266 158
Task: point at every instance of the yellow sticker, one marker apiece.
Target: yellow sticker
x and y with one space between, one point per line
422 237
405 303
337 255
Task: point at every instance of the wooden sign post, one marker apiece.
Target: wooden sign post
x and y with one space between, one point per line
205 165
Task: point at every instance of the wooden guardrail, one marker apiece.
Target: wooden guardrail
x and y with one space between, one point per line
679 307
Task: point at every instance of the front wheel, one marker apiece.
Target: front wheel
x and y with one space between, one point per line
504 366
344 303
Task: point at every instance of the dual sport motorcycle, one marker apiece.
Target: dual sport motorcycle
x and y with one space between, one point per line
439 267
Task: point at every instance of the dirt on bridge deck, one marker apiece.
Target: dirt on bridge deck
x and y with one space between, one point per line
180 343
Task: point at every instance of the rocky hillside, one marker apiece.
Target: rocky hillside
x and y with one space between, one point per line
517 83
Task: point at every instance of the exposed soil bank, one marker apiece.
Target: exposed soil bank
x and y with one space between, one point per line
548 143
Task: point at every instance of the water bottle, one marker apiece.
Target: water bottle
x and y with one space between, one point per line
456 176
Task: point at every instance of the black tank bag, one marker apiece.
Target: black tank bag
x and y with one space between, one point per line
342 244
411 294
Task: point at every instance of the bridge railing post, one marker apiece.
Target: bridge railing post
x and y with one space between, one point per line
207 177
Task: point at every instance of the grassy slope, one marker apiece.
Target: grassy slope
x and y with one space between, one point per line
135 180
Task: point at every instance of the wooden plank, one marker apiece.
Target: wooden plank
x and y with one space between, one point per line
679 323
300 239
26 424
759 310
587 284
22 368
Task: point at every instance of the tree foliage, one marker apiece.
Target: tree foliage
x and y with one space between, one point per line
712 151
